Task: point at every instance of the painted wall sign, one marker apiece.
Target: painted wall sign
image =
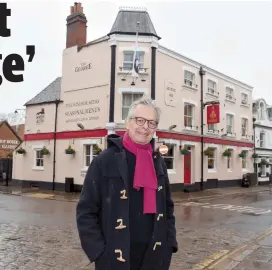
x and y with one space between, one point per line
40 117
83 67
170 94
85 110
8 144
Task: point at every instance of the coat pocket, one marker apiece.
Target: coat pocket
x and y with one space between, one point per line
103 262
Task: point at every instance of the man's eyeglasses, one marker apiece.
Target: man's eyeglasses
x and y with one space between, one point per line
141 121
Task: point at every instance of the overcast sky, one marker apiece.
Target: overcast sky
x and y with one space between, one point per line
231 37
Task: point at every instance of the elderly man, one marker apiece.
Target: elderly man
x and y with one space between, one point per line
125 215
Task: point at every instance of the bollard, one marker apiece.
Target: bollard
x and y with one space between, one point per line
4 177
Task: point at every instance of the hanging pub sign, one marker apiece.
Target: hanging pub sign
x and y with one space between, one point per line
213 114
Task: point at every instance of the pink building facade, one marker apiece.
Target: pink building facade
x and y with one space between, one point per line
92 97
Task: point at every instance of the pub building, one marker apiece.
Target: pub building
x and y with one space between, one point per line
67 123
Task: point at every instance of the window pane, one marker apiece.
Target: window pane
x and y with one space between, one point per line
137 96
127 66
87 160
127 99
88 150
128 56
124 113
169 163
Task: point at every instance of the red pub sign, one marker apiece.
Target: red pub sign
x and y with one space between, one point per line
213 114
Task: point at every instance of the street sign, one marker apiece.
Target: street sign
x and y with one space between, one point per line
163 149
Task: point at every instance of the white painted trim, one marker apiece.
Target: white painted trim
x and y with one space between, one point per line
230 147
132 48
171 171
133 90
230 86
190 101
130 38
37 168
231 113
171 141
190 143
243 116
90 141
246 148
212 145
37 147
197 65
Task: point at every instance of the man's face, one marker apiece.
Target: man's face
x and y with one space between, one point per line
139 130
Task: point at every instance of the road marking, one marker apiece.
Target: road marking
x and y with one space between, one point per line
208 261
237 208
39 195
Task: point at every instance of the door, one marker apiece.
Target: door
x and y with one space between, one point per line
187 169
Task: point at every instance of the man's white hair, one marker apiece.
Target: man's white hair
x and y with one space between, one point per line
145 102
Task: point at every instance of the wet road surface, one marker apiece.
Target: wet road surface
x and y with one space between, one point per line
41 234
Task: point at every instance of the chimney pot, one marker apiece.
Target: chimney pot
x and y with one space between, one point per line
76 26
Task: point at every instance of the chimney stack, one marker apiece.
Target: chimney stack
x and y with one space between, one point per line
76 26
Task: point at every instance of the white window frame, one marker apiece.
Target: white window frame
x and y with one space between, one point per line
212 88
214 161
244 98
127 107
244 130
129 52
232 126
85 155
37 148
192 117
187 80
262 111
171 157
263 166
263 139
212 127
229 93
244 161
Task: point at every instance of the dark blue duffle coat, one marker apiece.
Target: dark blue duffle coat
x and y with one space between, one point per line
103 213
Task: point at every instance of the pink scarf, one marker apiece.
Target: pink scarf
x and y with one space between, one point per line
145 175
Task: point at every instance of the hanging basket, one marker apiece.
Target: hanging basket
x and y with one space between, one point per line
184 150
21 151
209 152
45 151
242 154
264 162
97 149
227 153
70 151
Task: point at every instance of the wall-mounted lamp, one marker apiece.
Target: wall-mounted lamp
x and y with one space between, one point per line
172 127
80 126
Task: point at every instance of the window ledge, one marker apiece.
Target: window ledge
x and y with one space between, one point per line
190 87
215 133
212 171
231 136
190 129
212 95
244 105
230 171
244 170
230 100
38 169
130 73
171 171
83 171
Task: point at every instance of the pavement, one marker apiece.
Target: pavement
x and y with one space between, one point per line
256 254
38 229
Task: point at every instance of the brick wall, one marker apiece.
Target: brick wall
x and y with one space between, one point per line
6 138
